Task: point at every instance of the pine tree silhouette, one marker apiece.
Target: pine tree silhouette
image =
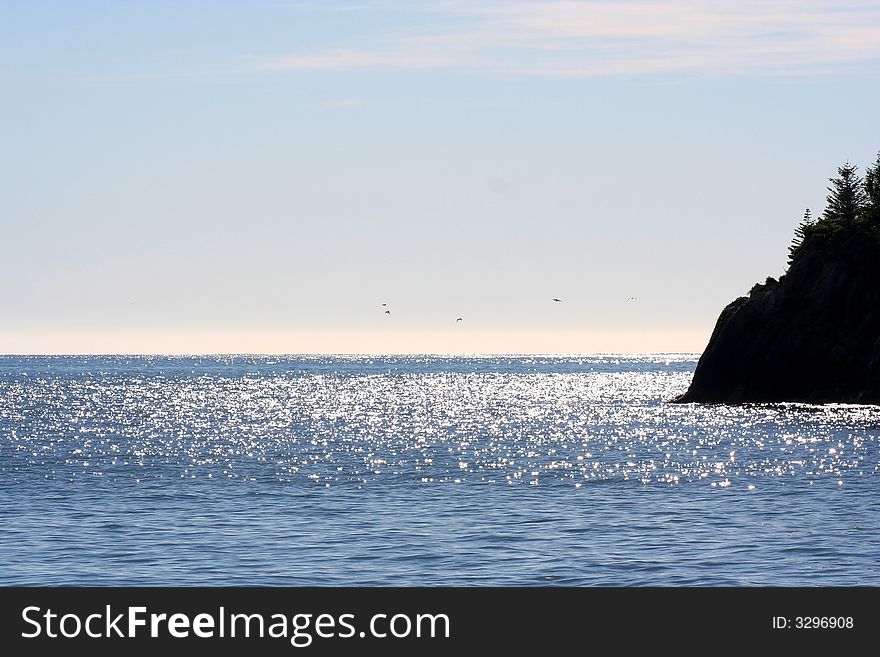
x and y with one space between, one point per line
799 234
872 192
847 199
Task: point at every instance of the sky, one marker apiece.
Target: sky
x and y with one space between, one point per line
259 177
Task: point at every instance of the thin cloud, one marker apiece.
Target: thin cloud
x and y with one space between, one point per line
353 60
580 39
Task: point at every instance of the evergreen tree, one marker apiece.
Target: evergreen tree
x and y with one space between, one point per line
847 198
799 234
872 192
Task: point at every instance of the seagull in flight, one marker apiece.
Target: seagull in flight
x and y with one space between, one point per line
387 312
631 299
557 300
458 320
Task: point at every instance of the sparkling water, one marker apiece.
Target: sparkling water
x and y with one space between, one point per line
337 470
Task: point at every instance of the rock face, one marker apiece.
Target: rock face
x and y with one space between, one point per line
812 336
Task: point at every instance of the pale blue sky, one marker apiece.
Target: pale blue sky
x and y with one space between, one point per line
260 176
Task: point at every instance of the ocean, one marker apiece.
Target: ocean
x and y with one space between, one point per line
423 470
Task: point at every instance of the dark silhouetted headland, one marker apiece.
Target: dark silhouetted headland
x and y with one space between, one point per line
814 334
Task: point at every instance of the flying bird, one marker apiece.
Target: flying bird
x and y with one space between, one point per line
631 299
557 300
384 304
387 312
458 320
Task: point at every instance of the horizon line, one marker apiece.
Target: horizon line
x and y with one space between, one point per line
348 354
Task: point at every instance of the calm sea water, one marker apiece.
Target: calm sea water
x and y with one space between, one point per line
423 471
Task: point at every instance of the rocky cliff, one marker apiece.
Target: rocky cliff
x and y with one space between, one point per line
811 336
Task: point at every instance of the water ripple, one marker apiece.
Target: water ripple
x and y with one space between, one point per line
422 470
